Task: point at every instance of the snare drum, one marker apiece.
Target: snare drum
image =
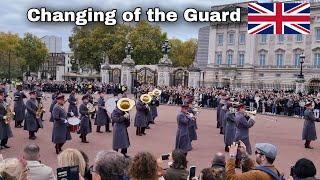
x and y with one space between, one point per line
74 124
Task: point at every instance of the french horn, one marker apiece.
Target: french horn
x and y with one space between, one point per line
125 104
145 98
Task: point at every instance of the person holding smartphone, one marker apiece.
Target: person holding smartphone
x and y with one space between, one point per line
178 168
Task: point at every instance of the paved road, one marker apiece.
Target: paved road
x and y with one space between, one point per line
283 132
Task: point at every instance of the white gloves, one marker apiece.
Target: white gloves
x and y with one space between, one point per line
126 115
71 114
65 121
4 117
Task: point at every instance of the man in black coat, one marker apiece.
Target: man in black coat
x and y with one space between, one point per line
5 130
32 123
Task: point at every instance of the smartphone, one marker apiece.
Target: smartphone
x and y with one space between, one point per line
192 172
68 173
165 157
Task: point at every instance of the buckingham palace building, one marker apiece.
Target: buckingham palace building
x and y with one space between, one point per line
237 59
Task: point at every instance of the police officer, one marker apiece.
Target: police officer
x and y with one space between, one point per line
60 132
19 106
32 123
85 123
73 103
183 141
5 130
120 140
102 118
309 129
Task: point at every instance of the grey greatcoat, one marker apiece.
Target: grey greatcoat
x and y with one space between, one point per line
222 115
230 131
309 129
5 130
242 130
73 105
193 126
120 138
153 108
218 112
32 123
19 106
53 103
182 137
85 123
141 115
102 117
60 133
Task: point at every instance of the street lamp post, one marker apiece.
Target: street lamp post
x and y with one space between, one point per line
302 57
300 87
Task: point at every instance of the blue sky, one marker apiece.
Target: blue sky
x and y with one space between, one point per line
13 15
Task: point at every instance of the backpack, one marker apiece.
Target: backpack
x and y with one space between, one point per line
270 172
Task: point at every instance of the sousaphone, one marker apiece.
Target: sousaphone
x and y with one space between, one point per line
125 104
145 98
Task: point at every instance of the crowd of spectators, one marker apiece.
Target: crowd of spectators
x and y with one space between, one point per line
111 165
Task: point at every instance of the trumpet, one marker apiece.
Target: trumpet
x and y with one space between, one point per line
252 113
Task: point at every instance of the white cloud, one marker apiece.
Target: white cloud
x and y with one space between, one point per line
13 15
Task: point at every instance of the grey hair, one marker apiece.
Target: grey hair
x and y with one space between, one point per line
111 165
31 152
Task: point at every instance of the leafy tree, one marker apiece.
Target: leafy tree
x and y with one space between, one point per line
10 62
33 51
182 53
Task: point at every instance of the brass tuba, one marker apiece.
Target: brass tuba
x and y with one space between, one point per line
145 98
156 92
125 104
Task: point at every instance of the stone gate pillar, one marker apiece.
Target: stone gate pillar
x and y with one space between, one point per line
127 68
164 69
194 75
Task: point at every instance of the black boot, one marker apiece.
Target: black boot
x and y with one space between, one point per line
143 131
98 129
84 139
221 130
108 128
226 148
138 131
57 148
307 145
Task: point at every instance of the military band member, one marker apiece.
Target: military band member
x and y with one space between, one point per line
153 108
60 132
309 129
193 123
89 94
222 114
19 106
5 130
141 119
32 123
85 123
102 118
183 141
53 103
230 129
39 96
120 140
243 123
73 103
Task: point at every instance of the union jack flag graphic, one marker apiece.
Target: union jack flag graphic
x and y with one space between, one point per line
279 18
